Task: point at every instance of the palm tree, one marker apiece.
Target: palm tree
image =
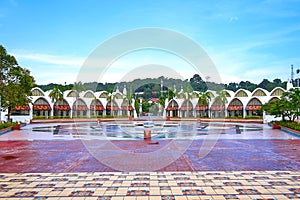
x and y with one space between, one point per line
110 98
171 94
188 98
94 104
56 95
129 96
203 100
221 99
162 102
136 104
78 87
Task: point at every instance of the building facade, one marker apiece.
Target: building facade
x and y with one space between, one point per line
88 104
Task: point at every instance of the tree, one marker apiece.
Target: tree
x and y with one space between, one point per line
286 107
294 97
203 100
15 82
128 99
291 100
136 104
221 99
56 95
232 86
188 92
197 83
277 81
275 107
78 87
171 94
266 84
162 102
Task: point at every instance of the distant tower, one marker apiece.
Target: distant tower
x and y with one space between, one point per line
161 85
124 91
292 73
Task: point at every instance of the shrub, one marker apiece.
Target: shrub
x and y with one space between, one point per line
234 117
7 124
39 117
253 117
288 124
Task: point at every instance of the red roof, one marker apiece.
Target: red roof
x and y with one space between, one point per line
154 100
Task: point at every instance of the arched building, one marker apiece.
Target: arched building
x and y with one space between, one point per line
87 104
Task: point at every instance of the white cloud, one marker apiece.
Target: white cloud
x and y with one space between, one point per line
50 59
53 77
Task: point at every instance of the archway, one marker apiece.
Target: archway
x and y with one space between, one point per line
112 108
127 110
41 107
235 108
187 109
217 109
253 107
20 110
37 92
61 109
172 109
96 108
201 110
79 108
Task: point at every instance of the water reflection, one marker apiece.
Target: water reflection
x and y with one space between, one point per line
159 130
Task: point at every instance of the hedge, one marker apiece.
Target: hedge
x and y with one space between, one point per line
7 124
291 125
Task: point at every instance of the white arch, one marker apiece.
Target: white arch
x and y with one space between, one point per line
261 89
277 88
39 89
88 91
241 89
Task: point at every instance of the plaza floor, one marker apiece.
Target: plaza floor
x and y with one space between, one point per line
152 185
266 166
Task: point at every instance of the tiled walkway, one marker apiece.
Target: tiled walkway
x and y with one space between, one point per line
152 185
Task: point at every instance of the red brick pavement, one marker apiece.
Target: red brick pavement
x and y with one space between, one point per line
227 155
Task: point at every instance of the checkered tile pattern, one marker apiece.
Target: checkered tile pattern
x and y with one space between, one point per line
152 185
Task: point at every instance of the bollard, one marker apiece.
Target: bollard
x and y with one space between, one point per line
147 134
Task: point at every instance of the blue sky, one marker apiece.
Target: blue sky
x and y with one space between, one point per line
247 40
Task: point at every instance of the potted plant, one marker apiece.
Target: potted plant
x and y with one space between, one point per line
275 126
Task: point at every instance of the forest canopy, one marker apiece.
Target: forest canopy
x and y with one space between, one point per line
151 87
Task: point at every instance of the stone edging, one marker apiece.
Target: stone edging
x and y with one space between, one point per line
287 130
5 130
